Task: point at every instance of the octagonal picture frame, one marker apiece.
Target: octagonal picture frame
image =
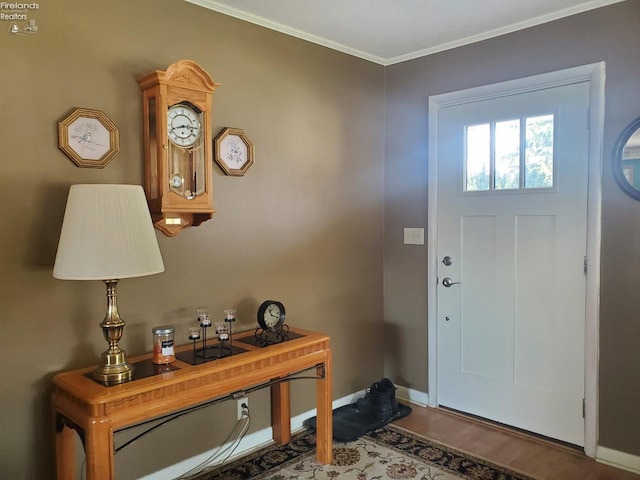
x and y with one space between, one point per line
234 151
88 137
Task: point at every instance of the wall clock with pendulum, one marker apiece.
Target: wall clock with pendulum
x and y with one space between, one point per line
178 145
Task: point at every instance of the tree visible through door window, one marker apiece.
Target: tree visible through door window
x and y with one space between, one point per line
510 154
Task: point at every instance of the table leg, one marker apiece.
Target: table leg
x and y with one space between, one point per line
324 419
281 412
99 449
65 450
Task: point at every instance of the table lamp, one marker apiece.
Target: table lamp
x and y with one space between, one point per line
107 235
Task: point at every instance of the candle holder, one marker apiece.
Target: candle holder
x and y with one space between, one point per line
222 330
194 335
205 322
229 318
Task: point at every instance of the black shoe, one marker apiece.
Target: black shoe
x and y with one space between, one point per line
366 404
377 401
387 385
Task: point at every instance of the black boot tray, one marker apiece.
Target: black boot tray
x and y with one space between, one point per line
349 423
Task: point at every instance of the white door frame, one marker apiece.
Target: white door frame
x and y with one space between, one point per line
595 74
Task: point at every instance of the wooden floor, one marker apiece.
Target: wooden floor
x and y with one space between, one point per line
530 455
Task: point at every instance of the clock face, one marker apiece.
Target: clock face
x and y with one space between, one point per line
183 125
271 315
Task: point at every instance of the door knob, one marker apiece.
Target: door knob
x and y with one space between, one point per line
447 282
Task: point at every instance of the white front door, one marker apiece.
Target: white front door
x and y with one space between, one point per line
511 246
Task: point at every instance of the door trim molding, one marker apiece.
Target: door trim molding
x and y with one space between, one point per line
595 75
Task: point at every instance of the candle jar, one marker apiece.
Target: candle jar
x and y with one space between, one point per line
163 345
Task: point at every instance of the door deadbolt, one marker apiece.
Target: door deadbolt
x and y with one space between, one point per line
448 261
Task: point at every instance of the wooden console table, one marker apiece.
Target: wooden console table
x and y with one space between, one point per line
96 411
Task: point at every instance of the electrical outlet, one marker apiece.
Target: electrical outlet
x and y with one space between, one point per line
239 405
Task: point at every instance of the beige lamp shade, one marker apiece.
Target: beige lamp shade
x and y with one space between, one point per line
107 234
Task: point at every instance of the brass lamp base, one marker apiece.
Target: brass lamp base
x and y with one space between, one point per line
114 368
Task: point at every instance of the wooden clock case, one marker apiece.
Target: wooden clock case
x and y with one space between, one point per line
173 210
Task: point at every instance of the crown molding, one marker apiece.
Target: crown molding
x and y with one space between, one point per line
287 30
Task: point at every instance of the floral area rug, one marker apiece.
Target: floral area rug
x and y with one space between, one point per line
386 453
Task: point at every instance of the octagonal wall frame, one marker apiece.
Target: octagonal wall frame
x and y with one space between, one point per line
234 152
88 137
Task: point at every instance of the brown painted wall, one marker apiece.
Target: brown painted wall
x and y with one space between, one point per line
608 34
304 226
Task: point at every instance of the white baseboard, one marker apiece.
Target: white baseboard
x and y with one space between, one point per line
251 442
262 438
618 459
615 458
413 396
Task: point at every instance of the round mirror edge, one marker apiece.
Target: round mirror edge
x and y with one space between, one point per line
618 172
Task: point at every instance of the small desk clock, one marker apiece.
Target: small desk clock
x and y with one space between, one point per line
271 316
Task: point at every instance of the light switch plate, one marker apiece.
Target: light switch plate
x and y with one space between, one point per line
414 236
